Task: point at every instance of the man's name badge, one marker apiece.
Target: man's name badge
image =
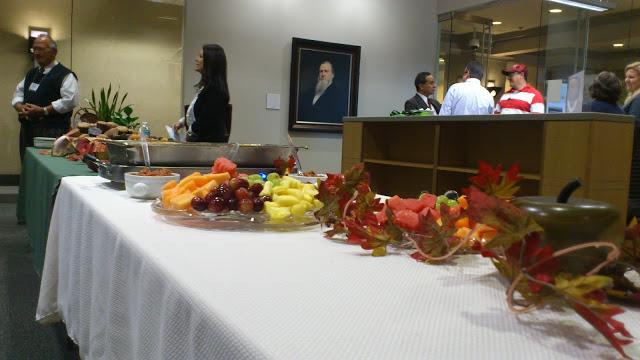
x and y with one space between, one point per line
33 87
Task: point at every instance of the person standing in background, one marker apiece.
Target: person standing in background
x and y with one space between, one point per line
206 119
605 92
632 107
46 97
522 98
632 82
425 86
469 97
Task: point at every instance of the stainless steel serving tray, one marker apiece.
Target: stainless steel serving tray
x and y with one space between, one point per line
116 173
128 152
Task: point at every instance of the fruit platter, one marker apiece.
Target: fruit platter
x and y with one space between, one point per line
227 199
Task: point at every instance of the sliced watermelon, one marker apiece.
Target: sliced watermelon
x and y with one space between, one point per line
416 205
429 200
223 164
429 212
407 219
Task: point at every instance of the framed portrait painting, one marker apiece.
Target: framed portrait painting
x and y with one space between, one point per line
324 85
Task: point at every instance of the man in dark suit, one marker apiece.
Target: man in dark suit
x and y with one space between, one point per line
425 87
327 102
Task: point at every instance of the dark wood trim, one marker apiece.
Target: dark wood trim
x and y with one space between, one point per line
9 180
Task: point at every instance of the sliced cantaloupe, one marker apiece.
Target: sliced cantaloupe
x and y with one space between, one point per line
170 185
182 201
220 178
203 179
191 177
187 184
205 189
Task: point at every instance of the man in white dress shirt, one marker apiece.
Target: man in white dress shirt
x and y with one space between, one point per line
468 97
46 97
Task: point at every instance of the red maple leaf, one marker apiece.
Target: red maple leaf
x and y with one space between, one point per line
602 320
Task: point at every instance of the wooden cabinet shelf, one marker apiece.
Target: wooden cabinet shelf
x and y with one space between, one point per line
406 156
398 163
475 170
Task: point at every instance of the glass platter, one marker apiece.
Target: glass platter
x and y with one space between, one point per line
232 220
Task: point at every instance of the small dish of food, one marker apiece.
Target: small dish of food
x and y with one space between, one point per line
147 183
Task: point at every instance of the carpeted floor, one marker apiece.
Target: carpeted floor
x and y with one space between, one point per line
20 336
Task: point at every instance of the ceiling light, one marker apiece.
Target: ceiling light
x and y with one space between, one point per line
555 11
618 45
497 23
441 61
595 5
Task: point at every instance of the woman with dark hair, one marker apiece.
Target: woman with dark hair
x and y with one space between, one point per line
605 92
208 112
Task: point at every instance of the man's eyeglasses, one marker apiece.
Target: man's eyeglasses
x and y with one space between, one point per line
34 50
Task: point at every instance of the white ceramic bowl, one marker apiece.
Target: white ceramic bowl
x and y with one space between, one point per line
146 187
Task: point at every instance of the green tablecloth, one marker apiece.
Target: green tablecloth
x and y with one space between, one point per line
39 183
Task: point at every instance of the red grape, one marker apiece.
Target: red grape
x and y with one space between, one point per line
198 203
232 204
258 204
237 183
256 188
243 183
212 194
245 206
217 205
224 191
242 193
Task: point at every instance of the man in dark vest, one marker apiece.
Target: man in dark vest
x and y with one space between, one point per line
45 98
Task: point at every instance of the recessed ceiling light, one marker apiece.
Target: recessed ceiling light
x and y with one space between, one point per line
497 23
618 45
441 61
555 11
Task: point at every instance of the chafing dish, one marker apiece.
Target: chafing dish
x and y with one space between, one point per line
115 172
128 152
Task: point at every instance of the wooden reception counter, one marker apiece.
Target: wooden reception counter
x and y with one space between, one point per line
406 155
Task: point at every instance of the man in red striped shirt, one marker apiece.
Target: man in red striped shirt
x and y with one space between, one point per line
522 98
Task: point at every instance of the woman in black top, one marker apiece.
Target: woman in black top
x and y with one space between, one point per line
207 114
605 92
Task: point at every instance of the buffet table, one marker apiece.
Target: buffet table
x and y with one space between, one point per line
129 285
39 183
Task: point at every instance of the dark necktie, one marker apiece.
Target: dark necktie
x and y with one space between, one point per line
39 76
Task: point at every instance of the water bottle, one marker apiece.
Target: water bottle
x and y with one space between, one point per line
145 131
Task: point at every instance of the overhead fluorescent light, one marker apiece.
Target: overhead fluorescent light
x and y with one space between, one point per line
594 5
555 11
497 23
441 61
618 45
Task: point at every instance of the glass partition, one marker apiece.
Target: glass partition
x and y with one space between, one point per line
555 41
463 38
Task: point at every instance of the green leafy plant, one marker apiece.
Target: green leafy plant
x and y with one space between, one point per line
108 107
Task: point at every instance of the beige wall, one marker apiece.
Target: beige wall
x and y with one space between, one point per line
119 41
15 18
124 42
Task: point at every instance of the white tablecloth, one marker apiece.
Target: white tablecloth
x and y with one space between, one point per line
130 286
